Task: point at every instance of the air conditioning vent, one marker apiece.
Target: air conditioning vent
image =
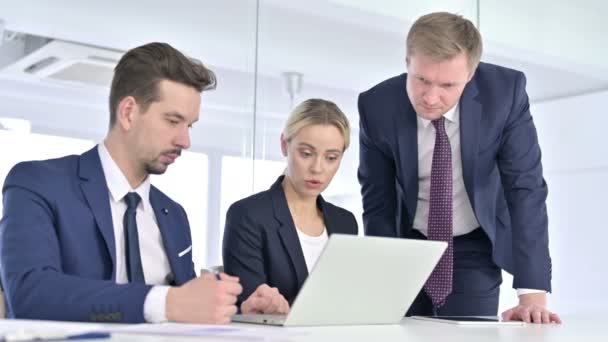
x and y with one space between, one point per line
84 72
41 64
67 62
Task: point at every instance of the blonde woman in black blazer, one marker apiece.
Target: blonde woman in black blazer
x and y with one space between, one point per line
273 238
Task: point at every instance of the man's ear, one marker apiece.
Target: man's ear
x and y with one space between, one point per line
125 113
283 145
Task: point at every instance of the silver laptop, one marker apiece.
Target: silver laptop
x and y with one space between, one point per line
360 280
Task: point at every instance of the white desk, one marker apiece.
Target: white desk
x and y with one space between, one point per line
575 329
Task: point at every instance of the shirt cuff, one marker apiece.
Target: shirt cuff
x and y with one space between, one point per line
528 291
155 304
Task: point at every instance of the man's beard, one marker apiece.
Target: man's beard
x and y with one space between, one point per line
155 169
158 168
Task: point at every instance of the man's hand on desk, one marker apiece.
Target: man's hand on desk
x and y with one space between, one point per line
265 300
204 300
532 308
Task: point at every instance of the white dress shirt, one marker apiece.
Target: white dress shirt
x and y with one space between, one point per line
464 220
155 263
312 246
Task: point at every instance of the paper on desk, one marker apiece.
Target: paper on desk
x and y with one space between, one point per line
216 331
8 326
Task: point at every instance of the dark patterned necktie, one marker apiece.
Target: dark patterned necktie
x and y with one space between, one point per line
439 284
135 270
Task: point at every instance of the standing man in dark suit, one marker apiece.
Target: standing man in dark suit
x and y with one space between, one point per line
449 152
88 238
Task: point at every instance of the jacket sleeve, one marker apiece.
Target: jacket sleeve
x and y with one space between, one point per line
519 163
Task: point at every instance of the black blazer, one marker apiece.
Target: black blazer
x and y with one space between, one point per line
261 244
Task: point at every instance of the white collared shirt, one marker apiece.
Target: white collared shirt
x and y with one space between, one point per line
154 259
464 220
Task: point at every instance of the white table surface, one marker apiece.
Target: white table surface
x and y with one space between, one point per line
574 329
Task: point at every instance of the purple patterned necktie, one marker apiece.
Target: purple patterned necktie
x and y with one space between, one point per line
439 284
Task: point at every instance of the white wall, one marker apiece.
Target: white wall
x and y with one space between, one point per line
572 133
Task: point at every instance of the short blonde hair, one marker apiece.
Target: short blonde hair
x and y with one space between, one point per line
441 36
317 112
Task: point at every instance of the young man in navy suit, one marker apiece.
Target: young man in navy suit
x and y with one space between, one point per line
87 238
448 151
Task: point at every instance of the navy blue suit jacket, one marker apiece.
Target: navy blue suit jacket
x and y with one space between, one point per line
261 244
501 163
57 252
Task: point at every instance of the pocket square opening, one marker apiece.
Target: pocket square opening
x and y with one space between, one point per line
182 253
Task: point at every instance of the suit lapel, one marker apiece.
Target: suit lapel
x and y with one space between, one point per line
406 126
287 231
330 225
166 223
95 190
470 122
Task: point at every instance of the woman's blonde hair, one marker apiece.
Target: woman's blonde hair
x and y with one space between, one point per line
316 112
